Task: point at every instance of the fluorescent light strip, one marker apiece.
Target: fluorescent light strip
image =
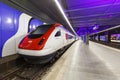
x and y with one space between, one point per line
59 6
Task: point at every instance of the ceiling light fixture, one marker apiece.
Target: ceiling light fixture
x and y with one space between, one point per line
60 8
96 27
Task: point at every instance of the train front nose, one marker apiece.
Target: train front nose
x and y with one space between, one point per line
32 44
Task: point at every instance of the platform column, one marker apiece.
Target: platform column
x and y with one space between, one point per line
87 39
98 37
109 36
94 37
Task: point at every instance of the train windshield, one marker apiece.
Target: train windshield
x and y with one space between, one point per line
39 31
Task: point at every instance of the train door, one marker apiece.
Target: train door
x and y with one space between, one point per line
58 39
63 38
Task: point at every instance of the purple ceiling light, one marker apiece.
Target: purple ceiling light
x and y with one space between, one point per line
96 27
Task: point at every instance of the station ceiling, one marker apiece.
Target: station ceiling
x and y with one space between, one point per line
86 14
82 14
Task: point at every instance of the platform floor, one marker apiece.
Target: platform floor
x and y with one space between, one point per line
80 63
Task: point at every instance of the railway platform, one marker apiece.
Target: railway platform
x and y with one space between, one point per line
83 62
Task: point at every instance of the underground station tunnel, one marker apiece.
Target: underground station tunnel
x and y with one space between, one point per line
59 39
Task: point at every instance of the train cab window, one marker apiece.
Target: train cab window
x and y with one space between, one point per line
58 33
39 31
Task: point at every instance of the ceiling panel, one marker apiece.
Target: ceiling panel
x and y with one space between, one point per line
75 4
88 13
114 8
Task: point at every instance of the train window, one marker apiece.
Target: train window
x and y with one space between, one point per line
41 30
58 33
70 37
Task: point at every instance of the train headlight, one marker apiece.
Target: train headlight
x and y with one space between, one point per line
41 41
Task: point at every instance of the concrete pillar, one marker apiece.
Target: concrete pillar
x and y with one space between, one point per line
109 37
98 37
93 37
87 39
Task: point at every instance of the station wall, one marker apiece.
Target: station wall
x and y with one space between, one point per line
14 25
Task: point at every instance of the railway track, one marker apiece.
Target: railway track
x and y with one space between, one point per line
27 72
31 71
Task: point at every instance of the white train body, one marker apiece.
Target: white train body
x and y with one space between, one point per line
55 38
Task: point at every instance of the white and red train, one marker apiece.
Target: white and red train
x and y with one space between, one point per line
41 45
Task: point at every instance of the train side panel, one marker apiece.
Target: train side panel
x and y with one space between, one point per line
55 41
